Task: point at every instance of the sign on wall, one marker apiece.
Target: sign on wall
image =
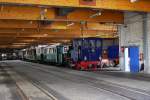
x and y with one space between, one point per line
87 2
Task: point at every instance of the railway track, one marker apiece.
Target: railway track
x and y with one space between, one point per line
44 90
127 92
138 76
17 93
21 93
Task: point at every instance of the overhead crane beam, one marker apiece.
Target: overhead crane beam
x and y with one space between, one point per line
60 36
54 36
11 32
141 5
34 13
22 24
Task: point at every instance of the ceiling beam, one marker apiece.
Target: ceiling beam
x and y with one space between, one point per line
5 35
16 32
141 5
35 13
22 24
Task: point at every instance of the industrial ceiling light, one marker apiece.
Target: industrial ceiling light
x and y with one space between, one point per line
70 24
45 34
97 35
45 10
116 35
31 22
23 29
99 13
132 1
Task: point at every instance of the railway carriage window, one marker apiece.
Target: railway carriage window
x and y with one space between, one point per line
49 51
52 50
85 43
38 51
45 51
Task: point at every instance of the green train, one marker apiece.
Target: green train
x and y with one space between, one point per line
53 54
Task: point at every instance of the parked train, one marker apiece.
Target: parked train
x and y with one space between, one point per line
52 54
83 54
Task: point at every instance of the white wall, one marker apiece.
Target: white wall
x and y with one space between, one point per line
131 32
147 69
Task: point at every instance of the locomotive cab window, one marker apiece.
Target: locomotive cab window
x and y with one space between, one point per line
85 43
98 43
79 42
92 43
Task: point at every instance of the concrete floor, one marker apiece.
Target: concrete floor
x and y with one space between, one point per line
68 84
8 87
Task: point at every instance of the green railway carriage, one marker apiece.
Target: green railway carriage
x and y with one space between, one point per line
53 54
28 54
50 54
62 51
39 53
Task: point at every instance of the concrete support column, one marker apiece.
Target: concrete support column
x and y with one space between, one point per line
146 43
122 42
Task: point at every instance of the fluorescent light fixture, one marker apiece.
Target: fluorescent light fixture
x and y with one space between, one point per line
23 29
40 46
31 22
96 14
53 45
45 34
132 1
70 24
23 50
45 10
97 35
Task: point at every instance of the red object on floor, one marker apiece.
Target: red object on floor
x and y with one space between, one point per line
85 65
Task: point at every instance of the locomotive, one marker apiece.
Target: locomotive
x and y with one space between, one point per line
87 53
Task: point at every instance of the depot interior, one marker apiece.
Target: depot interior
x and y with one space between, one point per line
90 33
